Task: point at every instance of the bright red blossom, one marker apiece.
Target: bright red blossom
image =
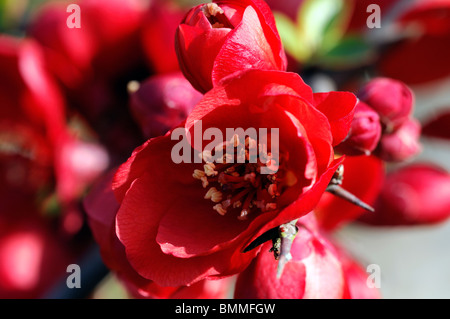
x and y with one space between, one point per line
220 38
179 224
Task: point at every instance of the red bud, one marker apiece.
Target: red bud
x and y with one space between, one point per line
365 132
392 99
162 102
402 144
220 38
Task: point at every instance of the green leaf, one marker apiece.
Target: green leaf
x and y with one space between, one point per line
351 51
314 18
294 44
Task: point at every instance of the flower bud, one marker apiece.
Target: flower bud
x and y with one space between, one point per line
162 102
365 132
402 144
217 39
415 194
391 99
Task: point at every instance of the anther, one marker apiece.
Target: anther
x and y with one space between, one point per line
219 208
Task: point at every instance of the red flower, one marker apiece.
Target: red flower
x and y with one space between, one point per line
402 144
101 207
34 126
95 62
428 43
314 272
105 44
162 102
32 258
220 38
391 99
38 151
179 224
414 194
364 134
158 33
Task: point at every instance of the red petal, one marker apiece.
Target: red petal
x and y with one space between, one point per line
196 59
137 226
356 278
339 108
242 51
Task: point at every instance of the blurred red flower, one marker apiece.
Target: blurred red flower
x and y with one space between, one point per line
428 24
415 194
162 102
32 257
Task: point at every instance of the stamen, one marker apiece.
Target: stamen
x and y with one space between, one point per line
214 195
250 177
243 215
234 180
219 208
209 169
273 190
205 182
290 178
235 140
198 174
211 9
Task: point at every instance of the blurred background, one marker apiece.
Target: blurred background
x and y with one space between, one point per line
79 93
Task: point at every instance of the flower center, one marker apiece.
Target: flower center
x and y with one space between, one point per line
216 16
235 180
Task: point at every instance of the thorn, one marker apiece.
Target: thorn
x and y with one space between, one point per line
344 194
271 234
287 235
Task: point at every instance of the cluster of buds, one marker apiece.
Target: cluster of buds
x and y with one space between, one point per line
383 123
